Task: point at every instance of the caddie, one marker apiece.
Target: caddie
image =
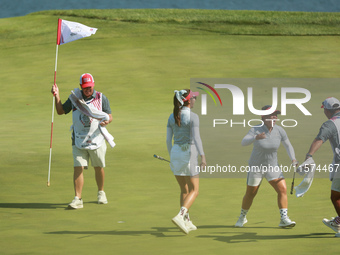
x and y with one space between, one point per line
88 143
330 130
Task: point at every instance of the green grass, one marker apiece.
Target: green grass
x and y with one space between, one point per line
138 57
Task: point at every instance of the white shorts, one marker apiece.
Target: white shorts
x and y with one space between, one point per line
254 178
183 160
81 157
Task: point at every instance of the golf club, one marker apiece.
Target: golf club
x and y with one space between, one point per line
292 188
160 158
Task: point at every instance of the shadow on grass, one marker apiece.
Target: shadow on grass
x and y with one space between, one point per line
237 237
40 205
32 205
233 237
157 232
232 226
227 237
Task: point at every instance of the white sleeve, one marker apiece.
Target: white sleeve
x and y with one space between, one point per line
197 139
289 148
169 135
249 138
195 133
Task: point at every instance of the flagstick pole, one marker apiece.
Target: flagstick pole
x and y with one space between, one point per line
53 106
60 40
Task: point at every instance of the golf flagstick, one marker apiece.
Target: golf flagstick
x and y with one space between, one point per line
67 31
160 158
53 104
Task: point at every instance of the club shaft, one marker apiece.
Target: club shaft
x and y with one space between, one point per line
161 158
292 188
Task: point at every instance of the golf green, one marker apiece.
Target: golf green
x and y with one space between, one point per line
138 59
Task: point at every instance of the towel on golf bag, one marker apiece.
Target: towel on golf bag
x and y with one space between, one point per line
78 101
307 168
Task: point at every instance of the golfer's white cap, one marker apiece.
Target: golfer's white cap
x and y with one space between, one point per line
86 80
331 103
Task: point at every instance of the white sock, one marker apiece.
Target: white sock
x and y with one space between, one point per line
243 212
284 213
186 217
183 211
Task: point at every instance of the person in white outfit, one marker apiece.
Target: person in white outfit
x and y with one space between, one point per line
87 141
263 163
183 128
330 130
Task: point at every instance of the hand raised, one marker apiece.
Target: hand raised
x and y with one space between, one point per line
261 136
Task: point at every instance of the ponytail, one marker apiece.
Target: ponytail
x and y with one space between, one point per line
178 104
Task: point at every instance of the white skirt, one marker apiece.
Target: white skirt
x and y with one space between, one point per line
183 160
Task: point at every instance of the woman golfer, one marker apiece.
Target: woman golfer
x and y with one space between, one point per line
183 127
263 162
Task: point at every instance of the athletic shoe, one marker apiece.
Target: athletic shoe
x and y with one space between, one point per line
190 226
76 203
102 197
331 224
327 220
179 222
241 221
287 223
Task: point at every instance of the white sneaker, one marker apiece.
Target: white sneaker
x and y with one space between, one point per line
179 222
241 221
76 203
287 223
102 197
189 225
331 224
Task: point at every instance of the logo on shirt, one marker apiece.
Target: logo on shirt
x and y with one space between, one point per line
85 120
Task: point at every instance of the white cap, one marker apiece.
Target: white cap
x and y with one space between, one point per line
331 103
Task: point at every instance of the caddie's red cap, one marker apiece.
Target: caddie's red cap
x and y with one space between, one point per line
86 80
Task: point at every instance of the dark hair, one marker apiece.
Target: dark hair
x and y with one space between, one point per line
333 111
178 107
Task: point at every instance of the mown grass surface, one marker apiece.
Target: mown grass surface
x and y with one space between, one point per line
138 65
